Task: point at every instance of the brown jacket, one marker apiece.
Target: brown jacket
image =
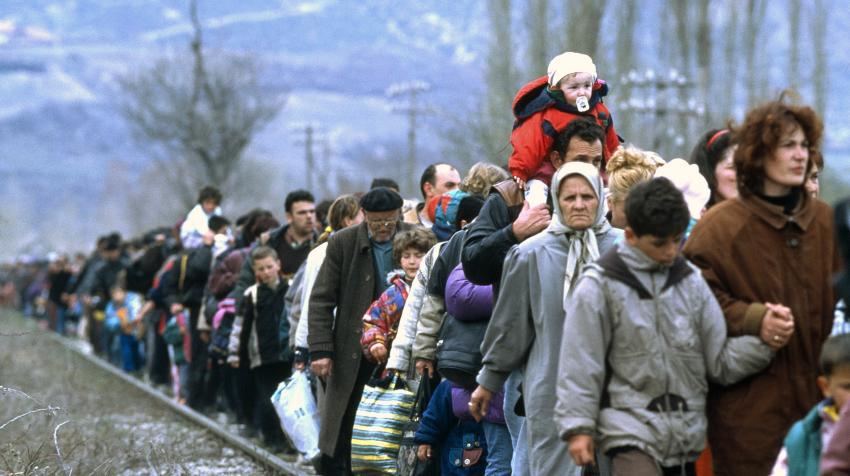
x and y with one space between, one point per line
346 283
751 253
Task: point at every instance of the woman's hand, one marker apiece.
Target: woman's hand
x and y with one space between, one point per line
777 326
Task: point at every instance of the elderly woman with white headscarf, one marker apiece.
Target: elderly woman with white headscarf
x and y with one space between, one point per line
525 330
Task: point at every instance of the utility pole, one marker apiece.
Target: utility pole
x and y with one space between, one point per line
327 167
410 91
309 131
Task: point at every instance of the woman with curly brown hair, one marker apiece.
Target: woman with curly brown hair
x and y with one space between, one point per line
769 256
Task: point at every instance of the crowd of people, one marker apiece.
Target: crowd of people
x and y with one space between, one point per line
591 308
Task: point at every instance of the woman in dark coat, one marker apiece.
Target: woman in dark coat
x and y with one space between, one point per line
769 257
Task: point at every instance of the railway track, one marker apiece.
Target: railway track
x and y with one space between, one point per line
78 426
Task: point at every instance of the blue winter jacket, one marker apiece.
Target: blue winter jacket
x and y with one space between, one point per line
449 435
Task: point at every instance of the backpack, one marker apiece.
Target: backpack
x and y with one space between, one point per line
156 292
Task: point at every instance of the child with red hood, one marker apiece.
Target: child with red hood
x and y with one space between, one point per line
544 107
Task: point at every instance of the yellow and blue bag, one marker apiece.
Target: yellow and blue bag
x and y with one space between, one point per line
384 410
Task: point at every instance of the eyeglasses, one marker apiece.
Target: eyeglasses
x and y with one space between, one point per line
382 223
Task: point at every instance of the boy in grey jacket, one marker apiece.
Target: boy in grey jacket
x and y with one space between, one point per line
642 337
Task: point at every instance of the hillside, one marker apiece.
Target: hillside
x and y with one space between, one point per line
66 155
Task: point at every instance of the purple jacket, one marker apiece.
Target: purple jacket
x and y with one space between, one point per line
467 301
460 405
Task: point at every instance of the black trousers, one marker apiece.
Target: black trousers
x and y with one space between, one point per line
198 365
159 364
95 331
630 461
239 392
266 379
340 462
212 384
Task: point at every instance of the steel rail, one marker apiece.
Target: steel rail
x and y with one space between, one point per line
245 445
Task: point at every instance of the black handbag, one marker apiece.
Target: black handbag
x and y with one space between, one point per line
408 463
459 350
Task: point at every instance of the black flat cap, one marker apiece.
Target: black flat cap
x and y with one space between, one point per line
381 199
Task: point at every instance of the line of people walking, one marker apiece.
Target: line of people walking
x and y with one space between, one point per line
591 308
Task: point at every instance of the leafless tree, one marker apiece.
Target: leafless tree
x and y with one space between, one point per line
584 18
537 21
483 132
197 118
624 60
501 70
681 17
730 53
704 46
755 19
819 27
794 10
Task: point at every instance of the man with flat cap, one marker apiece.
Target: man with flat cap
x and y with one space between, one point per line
352 276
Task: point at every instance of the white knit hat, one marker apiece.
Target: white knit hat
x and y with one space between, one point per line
689 181
568 63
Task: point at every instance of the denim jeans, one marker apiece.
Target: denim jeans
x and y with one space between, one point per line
61 312
516 425
131 353
499 449
111 342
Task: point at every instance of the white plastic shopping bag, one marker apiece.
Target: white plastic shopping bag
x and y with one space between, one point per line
296 408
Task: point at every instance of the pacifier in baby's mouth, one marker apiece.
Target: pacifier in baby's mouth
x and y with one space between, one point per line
582 104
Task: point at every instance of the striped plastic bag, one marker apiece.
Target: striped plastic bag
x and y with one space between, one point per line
378 426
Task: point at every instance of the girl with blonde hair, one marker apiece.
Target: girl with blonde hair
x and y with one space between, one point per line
481 177
627 167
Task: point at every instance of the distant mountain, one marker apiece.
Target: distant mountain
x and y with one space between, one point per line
61 134
62 138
